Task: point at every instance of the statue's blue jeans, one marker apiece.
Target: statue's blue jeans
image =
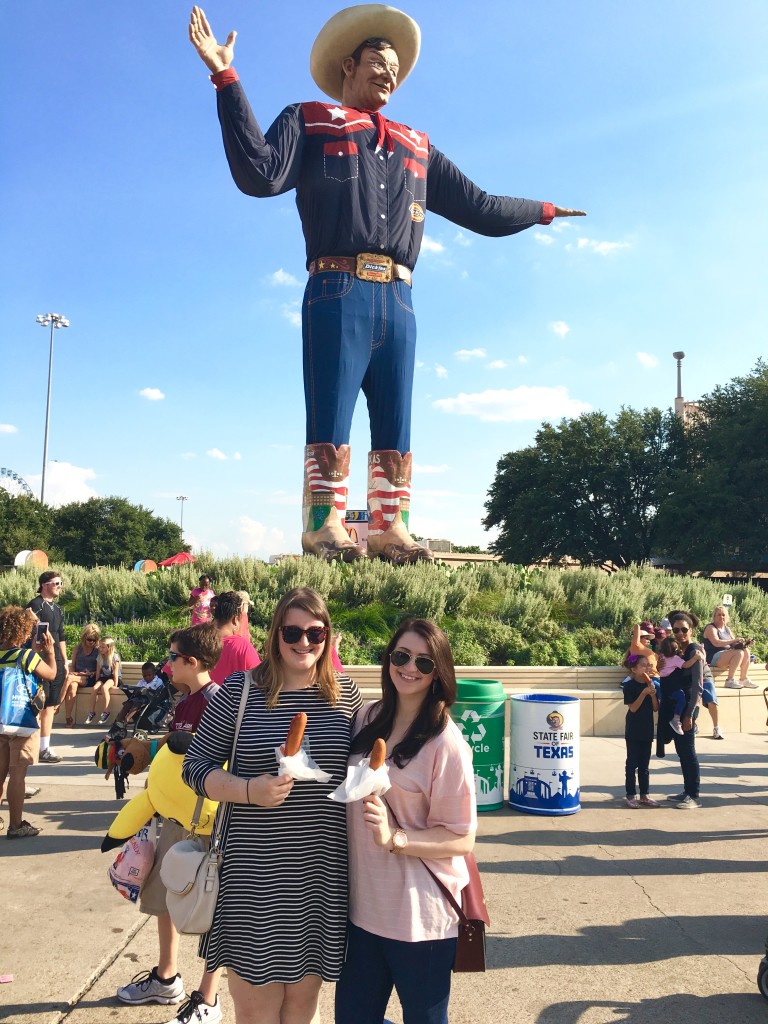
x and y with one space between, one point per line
358 336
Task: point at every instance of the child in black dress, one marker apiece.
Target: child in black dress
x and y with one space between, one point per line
641 700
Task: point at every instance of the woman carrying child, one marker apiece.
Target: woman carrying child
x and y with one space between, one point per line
690 681
669 662
108 674
641 700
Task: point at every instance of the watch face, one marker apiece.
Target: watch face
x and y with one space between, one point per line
399 840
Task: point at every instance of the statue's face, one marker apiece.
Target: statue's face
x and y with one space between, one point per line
370 83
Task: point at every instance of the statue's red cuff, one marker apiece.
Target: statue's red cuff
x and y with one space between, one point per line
547 209
226 77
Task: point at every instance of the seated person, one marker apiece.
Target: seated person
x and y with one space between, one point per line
642 644
140 696
724 650
82 669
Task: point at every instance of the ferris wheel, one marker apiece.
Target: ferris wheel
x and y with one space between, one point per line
14 484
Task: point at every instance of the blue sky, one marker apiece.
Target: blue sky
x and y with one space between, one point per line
117 210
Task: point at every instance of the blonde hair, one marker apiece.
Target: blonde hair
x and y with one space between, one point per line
107 659
268 675
721 608
90 632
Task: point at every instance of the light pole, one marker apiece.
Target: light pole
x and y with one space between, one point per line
182 498
679 400
55 320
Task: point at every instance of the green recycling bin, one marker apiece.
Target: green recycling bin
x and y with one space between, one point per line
479 713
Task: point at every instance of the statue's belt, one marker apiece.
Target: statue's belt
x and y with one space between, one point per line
367 266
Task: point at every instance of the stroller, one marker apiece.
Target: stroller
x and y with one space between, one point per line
144 711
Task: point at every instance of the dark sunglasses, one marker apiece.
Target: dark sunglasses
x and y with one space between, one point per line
681 629
315 634
173 655
424 664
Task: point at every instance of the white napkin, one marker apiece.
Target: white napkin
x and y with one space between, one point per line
362 781
300 766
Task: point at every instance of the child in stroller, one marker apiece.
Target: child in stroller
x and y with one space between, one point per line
149 706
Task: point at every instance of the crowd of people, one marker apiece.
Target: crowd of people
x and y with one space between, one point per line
370 899
670 676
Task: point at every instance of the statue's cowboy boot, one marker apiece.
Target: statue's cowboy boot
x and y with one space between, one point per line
389 499
326 477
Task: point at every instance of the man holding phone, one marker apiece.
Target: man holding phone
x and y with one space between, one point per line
51 620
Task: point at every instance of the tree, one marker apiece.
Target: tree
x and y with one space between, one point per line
112 531
589 488
718 516
25 523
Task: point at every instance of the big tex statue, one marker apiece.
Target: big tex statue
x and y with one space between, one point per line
363 187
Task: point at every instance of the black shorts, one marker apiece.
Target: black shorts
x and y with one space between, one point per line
53 687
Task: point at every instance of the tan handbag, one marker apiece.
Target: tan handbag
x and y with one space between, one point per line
190 869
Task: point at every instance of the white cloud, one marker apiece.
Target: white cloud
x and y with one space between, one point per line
461 239
292 315
441 371
647 360
282 278
601 248
543 239
189 455
237 457
522 360
153 394
215 453
256 539
515 405
560 225
419 468
8 428
429 244
560 328
64 483
419 364
497 364
470 353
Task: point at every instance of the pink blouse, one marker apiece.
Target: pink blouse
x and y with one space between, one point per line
392 894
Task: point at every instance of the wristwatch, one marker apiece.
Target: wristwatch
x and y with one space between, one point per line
399 841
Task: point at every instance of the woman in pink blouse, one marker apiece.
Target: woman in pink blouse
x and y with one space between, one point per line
402 931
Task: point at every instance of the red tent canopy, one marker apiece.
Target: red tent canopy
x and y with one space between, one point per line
181 559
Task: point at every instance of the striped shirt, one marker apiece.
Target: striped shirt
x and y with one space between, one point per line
282 907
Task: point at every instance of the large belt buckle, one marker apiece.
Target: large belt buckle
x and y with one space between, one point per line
371 267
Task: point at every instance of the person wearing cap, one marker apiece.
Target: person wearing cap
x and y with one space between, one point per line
641 644
46 608
364 185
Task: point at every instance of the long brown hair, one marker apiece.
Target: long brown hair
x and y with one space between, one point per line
268 675
433 714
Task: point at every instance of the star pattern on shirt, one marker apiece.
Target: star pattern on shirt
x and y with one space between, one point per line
414 135
337 113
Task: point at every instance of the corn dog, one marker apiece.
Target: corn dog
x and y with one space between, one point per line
295 734
378 754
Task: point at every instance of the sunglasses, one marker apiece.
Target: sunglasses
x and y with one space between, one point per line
424 664
315 634
173 655
681 629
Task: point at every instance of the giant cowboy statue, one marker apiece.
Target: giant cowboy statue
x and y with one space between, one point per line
363 187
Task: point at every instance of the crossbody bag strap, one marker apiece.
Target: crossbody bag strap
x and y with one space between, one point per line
199 805
441 885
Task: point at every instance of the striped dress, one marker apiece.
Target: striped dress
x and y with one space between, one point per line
282 907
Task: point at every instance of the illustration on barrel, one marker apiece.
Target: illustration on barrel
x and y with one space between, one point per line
544 753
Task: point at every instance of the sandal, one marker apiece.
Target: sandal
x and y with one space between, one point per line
70 722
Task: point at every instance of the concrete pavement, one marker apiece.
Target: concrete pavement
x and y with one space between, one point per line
608 915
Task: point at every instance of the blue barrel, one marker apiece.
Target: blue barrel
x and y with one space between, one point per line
544 753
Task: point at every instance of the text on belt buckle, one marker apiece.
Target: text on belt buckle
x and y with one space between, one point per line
371 267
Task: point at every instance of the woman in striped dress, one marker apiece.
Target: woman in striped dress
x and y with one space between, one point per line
280 920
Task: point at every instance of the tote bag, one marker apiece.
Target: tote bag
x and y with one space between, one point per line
17 689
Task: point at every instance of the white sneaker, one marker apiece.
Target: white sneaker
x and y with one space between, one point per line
717 733
733 684
49 756
748 684
689 804
675 725
197 1011
147 988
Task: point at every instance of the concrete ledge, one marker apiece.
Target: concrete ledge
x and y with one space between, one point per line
602 710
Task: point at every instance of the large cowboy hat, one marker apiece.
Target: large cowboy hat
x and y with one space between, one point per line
344 32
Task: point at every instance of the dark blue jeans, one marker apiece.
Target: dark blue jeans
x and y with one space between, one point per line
358 335
685 746
419 971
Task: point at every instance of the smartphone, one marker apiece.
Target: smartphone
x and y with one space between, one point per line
40 630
